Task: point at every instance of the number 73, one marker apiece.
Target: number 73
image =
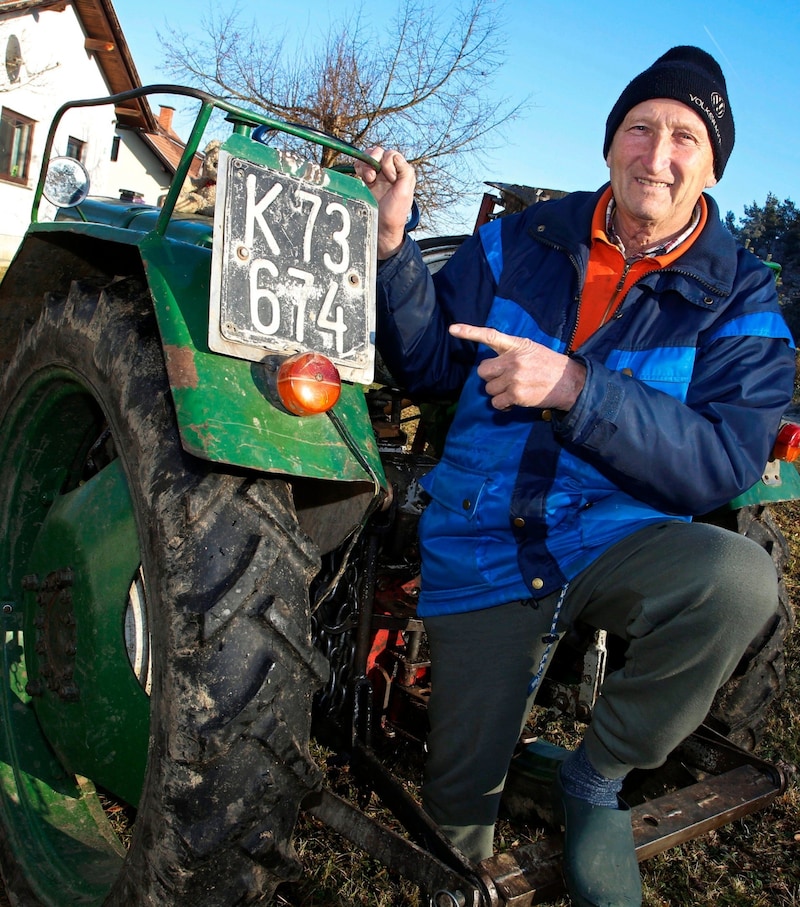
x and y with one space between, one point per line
257 208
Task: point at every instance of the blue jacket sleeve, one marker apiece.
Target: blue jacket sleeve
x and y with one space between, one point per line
415 310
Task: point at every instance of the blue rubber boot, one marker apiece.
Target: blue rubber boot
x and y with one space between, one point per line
600 865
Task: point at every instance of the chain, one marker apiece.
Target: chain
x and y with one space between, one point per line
333 627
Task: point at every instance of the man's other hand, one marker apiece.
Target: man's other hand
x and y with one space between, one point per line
393 188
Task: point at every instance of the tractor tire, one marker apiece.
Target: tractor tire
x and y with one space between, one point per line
741 708
195 723
438 250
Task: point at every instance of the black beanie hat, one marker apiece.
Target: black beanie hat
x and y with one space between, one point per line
689 75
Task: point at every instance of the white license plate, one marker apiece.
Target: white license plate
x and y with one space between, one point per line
293 267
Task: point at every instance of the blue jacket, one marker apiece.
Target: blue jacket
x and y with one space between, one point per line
684 391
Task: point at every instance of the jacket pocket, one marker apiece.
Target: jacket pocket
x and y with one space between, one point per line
456 489
614 517
450 540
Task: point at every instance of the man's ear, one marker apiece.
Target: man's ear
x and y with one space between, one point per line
711 181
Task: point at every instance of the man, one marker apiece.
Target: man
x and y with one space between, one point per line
621 366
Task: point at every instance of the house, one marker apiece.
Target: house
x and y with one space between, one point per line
61 50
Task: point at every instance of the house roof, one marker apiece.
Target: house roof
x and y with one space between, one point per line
167 145
104 38
104 35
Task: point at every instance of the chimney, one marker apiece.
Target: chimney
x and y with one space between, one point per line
165 115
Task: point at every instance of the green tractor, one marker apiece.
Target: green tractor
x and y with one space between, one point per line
208 506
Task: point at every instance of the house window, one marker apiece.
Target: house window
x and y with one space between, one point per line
75 148
16 134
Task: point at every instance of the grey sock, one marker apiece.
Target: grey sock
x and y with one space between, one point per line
580 779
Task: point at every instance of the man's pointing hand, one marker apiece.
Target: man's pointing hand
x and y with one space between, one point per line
524 373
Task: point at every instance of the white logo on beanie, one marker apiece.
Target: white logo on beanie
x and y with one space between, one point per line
718 103
712 120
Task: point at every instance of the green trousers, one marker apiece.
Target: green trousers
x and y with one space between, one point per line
688 598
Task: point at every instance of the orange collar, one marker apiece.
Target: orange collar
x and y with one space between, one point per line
609 275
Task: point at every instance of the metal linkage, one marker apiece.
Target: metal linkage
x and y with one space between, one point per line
731 783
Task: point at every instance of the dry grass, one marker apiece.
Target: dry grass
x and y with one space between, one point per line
754 862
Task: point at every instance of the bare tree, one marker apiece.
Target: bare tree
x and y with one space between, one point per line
423 85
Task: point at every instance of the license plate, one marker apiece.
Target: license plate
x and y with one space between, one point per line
294 266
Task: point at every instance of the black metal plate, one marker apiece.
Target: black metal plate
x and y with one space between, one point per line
294 268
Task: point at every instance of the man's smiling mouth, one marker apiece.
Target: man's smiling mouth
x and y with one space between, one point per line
657 184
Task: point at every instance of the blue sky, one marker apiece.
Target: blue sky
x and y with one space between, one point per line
572 60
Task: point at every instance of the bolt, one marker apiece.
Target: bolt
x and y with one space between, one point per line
242 253
34 688
561 702
8 607
64 577
69 692
445 898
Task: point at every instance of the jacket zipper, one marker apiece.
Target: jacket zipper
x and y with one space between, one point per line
576 265
618 289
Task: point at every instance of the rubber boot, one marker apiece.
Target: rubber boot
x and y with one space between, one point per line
600 865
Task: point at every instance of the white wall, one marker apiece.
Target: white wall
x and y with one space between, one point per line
136 168
57 68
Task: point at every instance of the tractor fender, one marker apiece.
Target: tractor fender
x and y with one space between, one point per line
225 407
781 482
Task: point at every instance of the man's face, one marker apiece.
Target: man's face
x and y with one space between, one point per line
660 160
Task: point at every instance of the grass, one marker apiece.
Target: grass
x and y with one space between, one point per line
754 862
